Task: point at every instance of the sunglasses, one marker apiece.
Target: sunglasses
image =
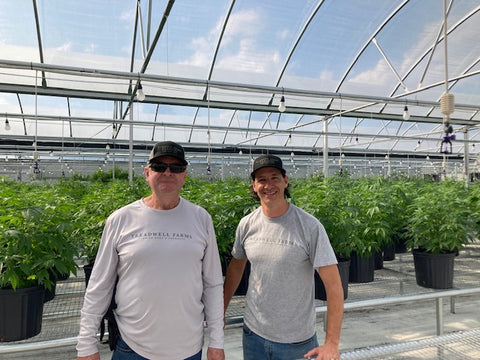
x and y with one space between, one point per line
162 167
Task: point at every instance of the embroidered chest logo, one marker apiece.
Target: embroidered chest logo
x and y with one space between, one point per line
162 235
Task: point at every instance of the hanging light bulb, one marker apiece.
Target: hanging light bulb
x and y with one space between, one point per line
418 145
406 115
281 106
7 124
140 93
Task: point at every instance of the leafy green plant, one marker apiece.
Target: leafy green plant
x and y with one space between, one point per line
93 209
441 219
108 176
474 204
329 201
372 223
34 233
227 202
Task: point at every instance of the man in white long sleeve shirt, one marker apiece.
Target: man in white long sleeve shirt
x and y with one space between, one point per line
163 250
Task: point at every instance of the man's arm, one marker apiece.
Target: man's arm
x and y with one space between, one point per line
215 354
212 297
95 356
334 290
232 279
98 295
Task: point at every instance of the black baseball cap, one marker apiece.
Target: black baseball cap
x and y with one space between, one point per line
168 148
267 161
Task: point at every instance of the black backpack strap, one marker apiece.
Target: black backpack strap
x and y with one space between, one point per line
112 326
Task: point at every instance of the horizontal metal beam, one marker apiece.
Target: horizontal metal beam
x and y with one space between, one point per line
62 69
87 72
109 96
260 131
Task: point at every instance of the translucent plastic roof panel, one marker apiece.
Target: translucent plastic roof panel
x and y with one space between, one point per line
214 72
187 45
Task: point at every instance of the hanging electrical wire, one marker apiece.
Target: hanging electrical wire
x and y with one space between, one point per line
340 161
447 101
209 148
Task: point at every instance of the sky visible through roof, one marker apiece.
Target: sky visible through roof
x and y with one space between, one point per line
317 46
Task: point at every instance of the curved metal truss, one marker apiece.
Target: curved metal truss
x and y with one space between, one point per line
213 73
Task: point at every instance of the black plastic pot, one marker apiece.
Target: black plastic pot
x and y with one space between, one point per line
87 269
378 259
343 269
388 252
243 286
400 245
63 277
21 313
50 293
362 268
434 271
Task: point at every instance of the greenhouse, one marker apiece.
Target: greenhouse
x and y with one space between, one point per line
372 106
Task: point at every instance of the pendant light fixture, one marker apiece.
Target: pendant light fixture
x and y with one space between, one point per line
281 106
406 115
140 93
7 124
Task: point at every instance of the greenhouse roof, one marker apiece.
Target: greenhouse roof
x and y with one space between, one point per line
213 73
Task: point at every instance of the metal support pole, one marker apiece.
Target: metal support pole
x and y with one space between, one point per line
439 302
130 148
325 147
466 156
452 304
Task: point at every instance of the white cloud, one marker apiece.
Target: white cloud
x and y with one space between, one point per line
66 47
91 48
3 100
283 34
128 16
239 42
379 75
244 23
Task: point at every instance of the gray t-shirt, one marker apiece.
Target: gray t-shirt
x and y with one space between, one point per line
284 253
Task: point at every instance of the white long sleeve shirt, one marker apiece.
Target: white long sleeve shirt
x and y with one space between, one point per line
170 282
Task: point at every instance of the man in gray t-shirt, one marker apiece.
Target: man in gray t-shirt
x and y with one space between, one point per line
285 245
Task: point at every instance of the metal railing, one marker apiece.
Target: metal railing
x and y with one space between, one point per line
438 296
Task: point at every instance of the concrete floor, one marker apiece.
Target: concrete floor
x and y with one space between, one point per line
392 324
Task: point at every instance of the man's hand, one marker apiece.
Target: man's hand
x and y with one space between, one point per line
324 352
215 354
95 356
